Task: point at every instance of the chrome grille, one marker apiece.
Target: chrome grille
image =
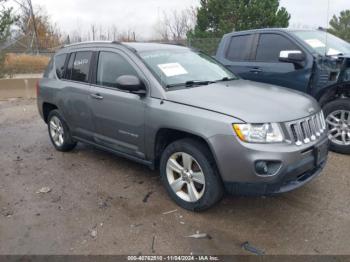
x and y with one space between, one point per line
306 130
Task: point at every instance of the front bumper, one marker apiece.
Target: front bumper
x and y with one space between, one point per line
236 163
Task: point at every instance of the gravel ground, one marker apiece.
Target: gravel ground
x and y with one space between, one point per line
103 204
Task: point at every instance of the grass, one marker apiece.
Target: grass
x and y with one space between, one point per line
25 64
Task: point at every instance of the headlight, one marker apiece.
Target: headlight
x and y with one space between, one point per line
259 133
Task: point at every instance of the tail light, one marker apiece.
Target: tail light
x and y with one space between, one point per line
37 88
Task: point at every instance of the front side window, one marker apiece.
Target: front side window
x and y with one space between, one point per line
81 67
270 46
177 67
110 67
240 48
60 61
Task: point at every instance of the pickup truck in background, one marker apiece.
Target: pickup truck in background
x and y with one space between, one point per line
310 61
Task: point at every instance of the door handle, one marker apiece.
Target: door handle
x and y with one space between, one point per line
256 70
97 96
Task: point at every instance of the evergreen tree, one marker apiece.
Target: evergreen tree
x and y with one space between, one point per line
218 17
340 26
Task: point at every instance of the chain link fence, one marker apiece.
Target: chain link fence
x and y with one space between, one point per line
21 56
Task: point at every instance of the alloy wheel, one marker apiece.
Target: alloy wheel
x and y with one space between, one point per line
339 127
185 177
56 131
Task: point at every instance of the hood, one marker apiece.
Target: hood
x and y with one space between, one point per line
249 101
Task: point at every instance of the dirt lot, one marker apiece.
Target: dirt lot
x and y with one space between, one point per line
102 204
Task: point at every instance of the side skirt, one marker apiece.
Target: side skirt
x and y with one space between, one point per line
150 164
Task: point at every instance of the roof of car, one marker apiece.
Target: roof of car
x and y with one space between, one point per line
271 30
136 46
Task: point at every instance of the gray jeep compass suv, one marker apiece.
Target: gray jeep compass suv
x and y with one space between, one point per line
181 111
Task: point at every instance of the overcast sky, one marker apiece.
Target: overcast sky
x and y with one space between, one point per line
142 15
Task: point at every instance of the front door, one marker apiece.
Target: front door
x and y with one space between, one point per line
119 116
268 68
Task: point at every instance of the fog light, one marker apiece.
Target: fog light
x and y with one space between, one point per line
261 168
267 168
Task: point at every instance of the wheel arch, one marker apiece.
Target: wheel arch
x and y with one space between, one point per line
47 108
166 136
333 92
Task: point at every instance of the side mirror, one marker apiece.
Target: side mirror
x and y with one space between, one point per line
131 83
292 56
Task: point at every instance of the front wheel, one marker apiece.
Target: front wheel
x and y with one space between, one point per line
190 176
337 115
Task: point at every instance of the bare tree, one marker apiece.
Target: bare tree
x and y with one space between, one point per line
114 32
127 36
38 23
76 36
93 31
161 31
102 35
176 25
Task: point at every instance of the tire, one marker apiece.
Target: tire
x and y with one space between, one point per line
335 108
63 140
209 190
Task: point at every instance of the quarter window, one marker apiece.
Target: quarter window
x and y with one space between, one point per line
60 61
270 46
110 67
79 69
70 67
240 48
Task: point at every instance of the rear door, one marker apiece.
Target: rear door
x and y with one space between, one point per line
237 55
76 94
270 70
119 116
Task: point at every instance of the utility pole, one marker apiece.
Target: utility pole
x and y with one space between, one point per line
34 25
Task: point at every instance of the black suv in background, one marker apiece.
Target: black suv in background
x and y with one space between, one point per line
310 61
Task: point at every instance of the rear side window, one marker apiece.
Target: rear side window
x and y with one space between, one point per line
110 67
270 46
60 61
240 48
79 69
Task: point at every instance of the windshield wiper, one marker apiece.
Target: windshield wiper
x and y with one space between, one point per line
191 83
225 79
200 83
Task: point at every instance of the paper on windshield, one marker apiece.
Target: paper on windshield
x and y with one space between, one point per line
172 69
315 43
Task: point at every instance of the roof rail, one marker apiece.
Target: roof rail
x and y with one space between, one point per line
90 42
101 42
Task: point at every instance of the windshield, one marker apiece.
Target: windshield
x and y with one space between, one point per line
180 67
324 43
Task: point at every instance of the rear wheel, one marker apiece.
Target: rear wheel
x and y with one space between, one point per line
59 132
337 115
190 176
